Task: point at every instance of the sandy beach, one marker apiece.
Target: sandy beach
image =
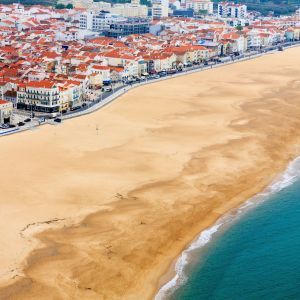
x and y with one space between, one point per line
102 214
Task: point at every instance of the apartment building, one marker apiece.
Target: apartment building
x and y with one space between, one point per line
130 26
103 72
101 6
200 5
232 10
98 21
160 9
6 108
42 96
70 94
130 10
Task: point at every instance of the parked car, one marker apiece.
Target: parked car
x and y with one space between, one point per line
21 124
162 74
53 115
84 104
27 120
12 126
172 71
64 111
130 81
106 89
154 77
4 126
75 108
57 120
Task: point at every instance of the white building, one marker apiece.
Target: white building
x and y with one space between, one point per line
297 13
160 9
130 10
70 93
101 6
67 35
103 71
6 108
200 5
98 21
83 3
232 10
39 95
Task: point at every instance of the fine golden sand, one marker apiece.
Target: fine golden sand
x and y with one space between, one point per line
111 209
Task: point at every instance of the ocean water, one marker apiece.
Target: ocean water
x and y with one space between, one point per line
251 253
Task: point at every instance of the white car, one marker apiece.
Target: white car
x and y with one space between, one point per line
106 89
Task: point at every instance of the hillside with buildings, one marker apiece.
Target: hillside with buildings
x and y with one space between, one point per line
55 60
31 2
265 7
276 7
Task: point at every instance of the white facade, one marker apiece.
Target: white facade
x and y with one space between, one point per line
5 111
42 95
130 10
67 36
70 96
160 9
101 6
97 21
83 3
200 5
253 40
232 10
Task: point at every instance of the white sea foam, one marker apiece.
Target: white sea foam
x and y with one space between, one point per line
284 180
182 261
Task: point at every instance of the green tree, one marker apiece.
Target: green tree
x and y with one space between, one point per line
69 6
59 6
239 27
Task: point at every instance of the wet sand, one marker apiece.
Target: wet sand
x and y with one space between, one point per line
89 214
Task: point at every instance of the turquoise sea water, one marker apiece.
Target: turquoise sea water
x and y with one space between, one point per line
254 254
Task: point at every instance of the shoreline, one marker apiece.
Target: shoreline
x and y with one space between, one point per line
176 276
135 163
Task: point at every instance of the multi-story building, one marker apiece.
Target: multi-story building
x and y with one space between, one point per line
130 26
185 13
101 6
130 10
232 10
70 94
104 73
200 6
98 21
6 108
42 96
82 3
160 9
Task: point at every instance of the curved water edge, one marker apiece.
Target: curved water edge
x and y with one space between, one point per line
282 181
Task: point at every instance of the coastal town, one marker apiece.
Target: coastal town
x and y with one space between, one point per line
58 61
149 150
